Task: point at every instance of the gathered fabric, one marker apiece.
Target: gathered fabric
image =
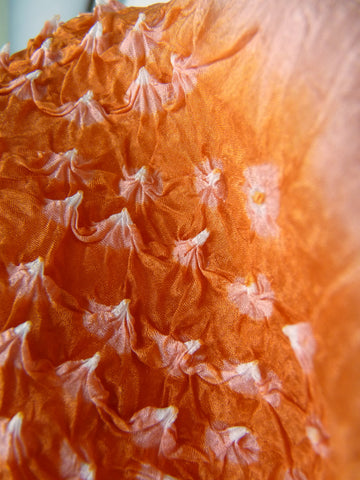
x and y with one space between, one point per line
179 244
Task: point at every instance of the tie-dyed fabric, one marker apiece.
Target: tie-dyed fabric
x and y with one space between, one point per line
179 244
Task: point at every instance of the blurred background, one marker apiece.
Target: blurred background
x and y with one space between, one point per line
21 20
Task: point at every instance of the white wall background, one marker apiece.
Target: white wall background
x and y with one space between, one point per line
141 3
4 20
23 19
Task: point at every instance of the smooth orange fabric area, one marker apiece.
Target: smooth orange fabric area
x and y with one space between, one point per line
179 244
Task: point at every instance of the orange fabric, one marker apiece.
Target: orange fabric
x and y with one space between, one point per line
179 244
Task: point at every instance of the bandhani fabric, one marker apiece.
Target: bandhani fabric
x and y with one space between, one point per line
179 230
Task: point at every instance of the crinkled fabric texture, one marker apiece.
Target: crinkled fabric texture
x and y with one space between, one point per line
179 244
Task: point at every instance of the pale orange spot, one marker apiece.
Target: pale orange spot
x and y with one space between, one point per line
258 197
250 280
313 435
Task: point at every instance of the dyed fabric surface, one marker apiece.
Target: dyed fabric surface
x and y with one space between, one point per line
179 244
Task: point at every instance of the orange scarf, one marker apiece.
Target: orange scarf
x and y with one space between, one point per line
179 244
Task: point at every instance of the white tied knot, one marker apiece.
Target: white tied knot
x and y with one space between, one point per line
122 309
93 362
96 30
46 44
313 435
249 369
5 49
33 75
22 329
87 472
173 58
235 433
143 77
14 426
214 176
252 288
123 218
201 238
167 415
75 200
141 174
89 95
71 154
192 346
139 21
36 267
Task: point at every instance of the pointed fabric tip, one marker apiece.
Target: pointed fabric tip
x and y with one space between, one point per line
93 362
122 308
96 30
302 342
14 425
167 415
89 95
294 474
201 238
87 472
125 217
46 44
71 154
192 346
5 49
143 77
214 176
23 328
235 433
251 368
33 75
139 21
36 267
141 174
75 200
50 26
